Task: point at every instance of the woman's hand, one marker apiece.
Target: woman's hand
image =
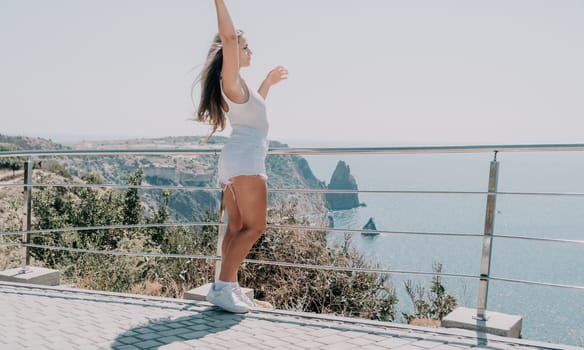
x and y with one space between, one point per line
275 76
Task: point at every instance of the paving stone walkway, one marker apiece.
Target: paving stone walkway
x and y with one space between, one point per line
36 317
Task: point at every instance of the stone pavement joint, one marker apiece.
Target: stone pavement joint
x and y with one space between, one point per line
44 318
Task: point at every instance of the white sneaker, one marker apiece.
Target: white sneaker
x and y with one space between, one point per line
226 299
241 295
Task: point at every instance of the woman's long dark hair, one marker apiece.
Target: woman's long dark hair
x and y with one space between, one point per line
210 109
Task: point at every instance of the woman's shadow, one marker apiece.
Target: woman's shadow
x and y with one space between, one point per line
161 332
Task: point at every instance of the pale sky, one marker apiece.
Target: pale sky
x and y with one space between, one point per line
362 72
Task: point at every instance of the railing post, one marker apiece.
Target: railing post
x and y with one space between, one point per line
27 220
220 236
488 240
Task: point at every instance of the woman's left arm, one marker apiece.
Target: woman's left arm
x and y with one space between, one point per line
275 76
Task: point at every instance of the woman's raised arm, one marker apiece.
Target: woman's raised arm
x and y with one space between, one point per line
230 71
275 76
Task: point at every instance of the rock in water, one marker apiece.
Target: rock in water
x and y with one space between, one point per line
370 225
331 221
342 180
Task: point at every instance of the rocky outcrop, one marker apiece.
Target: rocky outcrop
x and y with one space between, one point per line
342 180
370 228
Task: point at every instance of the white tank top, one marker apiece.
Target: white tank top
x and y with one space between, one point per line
251 113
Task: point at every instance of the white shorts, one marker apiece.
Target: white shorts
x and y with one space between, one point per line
244 153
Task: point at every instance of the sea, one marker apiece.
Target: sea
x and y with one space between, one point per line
550 314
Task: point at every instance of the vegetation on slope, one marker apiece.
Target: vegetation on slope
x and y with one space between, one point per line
303 289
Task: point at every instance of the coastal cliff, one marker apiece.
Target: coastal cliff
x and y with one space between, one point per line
189 174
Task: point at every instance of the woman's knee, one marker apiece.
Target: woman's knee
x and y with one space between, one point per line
262 228
234 227
257 229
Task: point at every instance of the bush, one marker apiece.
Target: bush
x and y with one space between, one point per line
344 293
434 304
12 163
56 168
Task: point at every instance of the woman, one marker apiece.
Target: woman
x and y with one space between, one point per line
242 173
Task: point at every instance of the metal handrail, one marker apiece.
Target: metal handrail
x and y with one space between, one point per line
306 150
488 235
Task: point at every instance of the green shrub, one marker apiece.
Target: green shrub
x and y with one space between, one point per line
12 163
434 304
352 294
56 168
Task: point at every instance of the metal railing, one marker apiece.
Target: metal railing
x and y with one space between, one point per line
484 276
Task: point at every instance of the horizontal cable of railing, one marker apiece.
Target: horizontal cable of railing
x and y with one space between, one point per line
121 253
440 234
430 192
113 186
277 226
539 239
303 190
543 284
304 266
110 227
291 227
304 150
251 261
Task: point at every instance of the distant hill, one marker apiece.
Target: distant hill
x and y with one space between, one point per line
184 172
30 143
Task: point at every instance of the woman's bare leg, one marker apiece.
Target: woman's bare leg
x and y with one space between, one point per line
234 223
250 203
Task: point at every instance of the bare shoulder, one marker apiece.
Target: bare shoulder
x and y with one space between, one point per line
236 92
